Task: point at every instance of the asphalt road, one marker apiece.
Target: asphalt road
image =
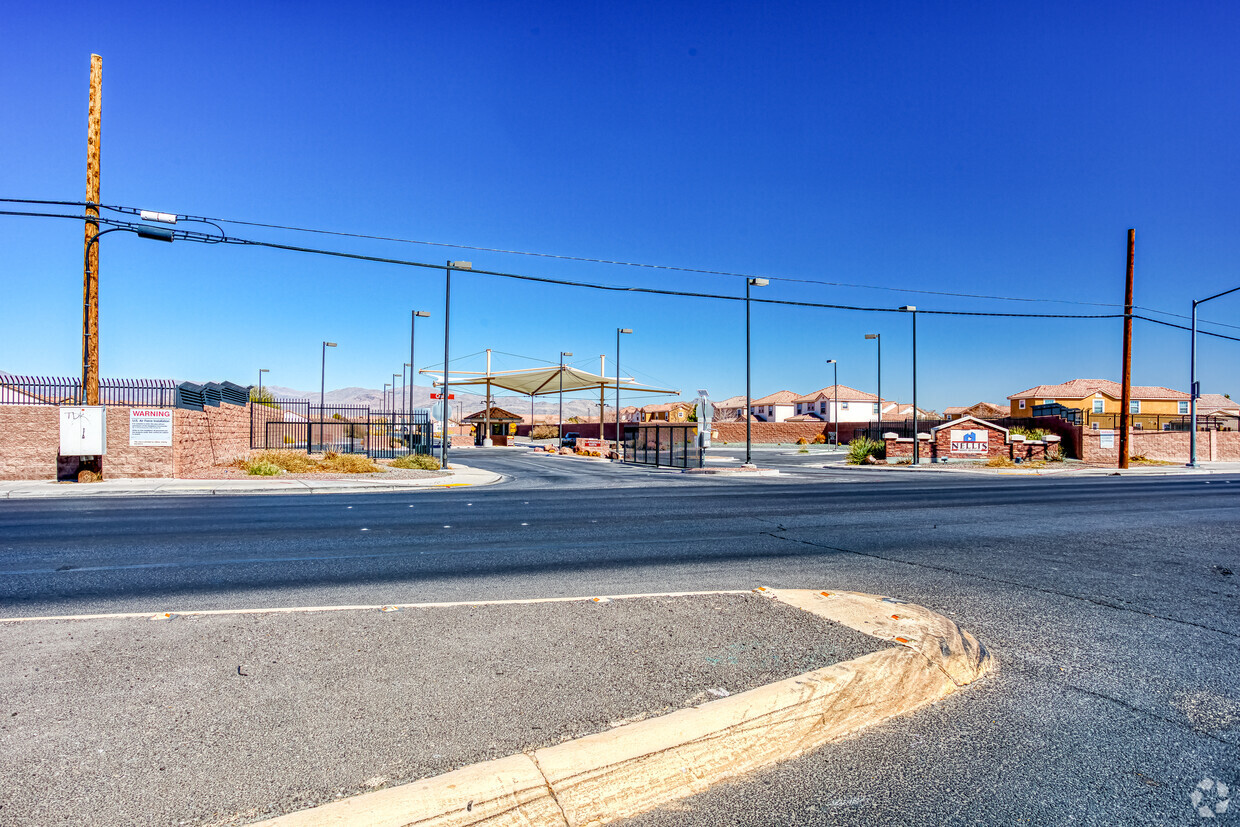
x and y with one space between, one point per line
1110 604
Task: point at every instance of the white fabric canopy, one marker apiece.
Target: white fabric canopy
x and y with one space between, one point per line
542 381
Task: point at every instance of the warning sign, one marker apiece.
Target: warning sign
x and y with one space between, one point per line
150 427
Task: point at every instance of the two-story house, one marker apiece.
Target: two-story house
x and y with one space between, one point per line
775 407
1098 400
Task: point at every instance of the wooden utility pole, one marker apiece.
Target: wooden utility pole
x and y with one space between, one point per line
602 394
90 275
1126 379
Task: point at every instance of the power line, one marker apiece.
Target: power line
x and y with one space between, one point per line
587 259
189 235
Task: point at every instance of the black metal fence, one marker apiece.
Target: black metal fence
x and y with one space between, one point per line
299 425
904 428
64 390
663 446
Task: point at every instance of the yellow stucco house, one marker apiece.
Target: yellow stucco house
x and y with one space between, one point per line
1098 400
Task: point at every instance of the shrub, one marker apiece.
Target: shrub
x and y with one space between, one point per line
263 469
347 464
288 439
802 441
819 440
803 451
1030 433
544 432
1055 454
294 462
421 462
1000 462
862 447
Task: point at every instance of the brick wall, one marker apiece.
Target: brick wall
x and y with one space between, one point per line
772 432
30 442
208 437
1168 446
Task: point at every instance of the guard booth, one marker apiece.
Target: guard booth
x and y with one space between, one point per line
502 425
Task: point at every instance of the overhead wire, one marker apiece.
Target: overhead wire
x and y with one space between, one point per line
190 235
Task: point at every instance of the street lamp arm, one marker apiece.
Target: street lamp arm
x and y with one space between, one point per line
1215 296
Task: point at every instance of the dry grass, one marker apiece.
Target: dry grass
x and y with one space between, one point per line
294 462
1000 462
421 462
334 463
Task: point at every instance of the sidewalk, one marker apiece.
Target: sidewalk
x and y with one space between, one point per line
1051 470
458 476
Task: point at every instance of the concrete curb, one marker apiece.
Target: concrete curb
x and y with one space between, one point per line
643 765
240 487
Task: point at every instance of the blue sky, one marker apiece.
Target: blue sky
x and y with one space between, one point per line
955 147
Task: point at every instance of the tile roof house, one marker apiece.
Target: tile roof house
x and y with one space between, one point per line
667 412
854 405
775 407
731 409
1208 403
1099 402
981 410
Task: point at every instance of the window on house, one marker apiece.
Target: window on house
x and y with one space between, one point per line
1097 406
843 406
1094 425
875 411
1048 401
1022 404
1134 406
1136 426
1183 408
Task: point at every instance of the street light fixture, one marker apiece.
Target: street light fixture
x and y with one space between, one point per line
916 439
878 341
90 311
322 389
748 393
563 353
619 330
835 406
261 371
1192 377
447 317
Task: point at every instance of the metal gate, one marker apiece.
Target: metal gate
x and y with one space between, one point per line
663 446
297 425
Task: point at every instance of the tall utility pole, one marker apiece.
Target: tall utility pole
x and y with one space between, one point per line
602 395
90 267
1126 378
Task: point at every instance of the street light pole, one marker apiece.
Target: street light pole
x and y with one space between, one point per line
877 337
261 371
748 392
619 330
412 325
835 406
322 389
916 439
563 353
447 317
1192 378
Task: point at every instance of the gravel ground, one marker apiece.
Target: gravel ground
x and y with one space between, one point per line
227 719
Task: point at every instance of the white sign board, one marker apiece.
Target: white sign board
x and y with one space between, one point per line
1106 440
970 442
150 427
83 431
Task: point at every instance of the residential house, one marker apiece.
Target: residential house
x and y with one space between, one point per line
1217 403
1098 400
731 409
775 407
854 405
667 412
980 410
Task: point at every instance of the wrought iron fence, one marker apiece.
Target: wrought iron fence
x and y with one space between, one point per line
670 446
63 390
299 425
